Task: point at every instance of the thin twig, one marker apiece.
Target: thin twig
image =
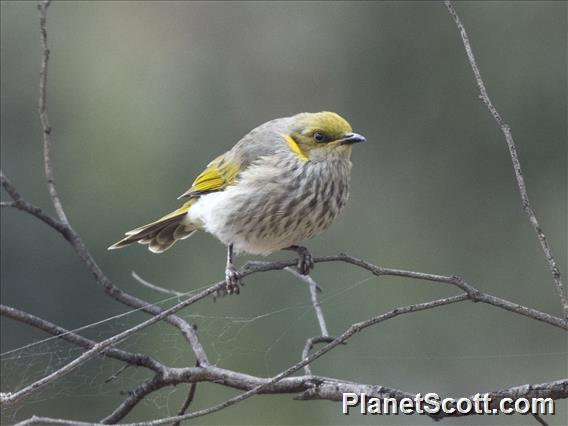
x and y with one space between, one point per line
324 388
187 402
310 387
11 397
475 294
21 204
310 343
324 337
134 359
314 297
43 116
73 238
69 233
158 382
352 330
454 280
470 293
155 287
539 419
555 390
114 376
134 397
505 129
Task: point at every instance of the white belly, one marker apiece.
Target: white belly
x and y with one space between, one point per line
268 210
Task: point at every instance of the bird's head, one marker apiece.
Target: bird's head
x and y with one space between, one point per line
321 135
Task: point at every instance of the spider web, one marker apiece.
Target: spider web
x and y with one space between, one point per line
228 340
221 335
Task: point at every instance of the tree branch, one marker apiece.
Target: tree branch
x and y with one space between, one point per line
21 204
11 397
505 129
475 294
324 336
310 343
134 397
253 267
121 296
155 287
352 330
332 390
64 226
314 297
135 359
308 386
187 402
323 388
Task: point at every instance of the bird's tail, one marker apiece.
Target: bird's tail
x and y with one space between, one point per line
161 234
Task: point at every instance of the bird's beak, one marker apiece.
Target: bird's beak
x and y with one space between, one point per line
351 138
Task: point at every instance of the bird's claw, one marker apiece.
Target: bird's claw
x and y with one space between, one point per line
232 280
305 261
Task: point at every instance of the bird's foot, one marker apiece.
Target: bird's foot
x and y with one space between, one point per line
232 280
305 259
232 276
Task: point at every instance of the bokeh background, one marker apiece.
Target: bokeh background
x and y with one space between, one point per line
143 94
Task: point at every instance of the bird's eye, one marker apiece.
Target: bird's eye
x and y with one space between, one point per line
319 136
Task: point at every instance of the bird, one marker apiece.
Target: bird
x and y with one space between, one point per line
281 184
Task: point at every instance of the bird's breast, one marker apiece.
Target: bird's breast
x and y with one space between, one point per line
277 204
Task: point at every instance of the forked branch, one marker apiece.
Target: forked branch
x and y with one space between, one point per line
308 386
506 130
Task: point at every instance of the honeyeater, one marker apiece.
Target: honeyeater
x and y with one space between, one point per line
281 184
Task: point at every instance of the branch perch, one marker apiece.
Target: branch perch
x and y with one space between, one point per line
506 130
307 386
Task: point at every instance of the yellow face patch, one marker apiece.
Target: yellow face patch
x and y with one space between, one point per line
295 148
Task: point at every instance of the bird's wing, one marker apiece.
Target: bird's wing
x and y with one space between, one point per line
223 171
218 175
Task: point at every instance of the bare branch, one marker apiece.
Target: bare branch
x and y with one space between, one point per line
68 232
154 287
73 238
352 330
11 397
252 267
314 296
50 421
187 402
325 388
157 382
134 397
333 391
118 373
308 386
135 359
21 204
43 116
515 159
316 387
310 343
324 337
539 419
474 293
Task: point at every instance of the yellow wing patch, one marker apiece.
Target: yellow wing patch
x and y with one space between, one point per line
218 175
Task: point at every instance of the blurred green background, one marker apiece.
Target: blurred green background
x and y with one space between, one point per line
143 94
